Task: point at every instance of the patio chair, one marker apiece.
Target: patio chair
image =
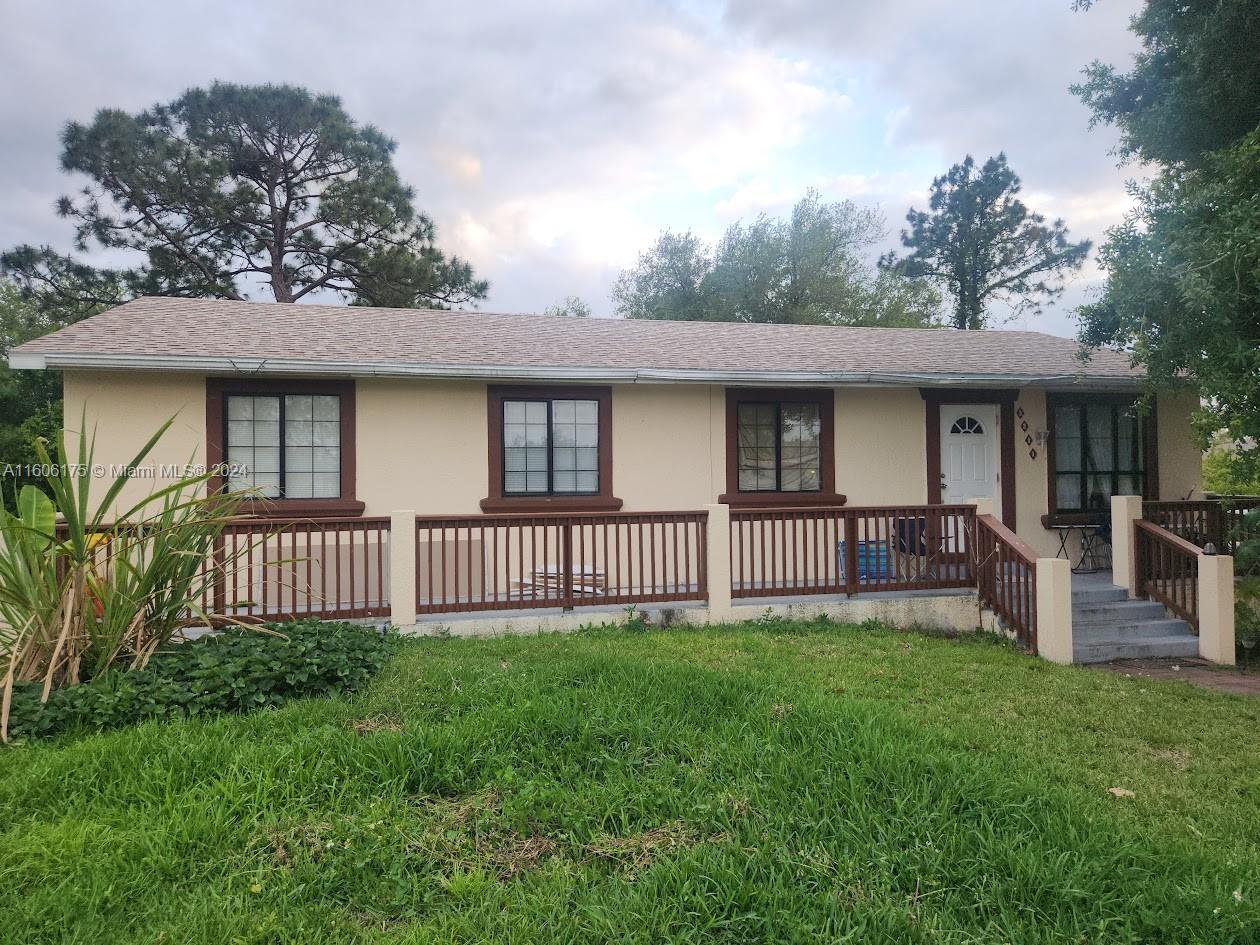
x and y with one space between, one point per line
917 550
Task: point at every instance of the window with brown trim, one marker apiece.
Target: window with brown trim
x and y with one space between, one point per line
550 448
780 447
1100 446
289 443
284 446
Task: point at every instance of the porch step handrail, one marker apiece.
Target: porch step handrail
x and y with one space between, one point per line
1221 521
1006 577
1167 569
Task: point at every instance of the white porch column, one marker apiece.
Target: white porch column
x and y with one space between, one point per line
986 505
402 568
1125 510
718 561
1216 608
1054 609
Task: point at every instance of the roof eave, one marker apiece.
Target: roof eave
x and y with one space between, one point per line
289 367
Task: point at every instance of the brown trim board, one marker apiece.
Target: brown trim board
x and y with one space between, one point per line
347 503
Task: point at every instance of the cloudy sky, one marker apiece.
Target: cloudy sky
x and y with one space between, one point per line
551 141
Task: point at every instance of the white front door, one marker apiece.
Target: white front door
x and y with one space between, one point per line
969 453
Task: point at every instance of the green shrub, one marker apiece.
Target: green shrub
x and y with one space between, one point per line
87 583
233 671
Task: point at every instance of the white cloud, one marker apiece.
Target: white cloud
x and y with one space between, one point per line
550 142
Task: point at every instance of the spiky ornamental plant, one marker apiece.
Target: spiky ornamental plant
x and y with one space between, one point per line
82 594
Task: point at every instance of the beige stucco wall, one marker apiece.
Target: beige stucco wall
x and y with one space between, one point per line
123 411
668 446
1180 455
1031 496
422 444
881 456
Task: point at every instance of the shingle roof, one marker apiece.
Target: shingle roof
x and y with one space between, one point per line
194 334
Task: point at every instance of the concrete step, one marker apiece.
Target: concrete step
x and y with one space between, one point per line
1098 595
1116 612
1130 630
1103 652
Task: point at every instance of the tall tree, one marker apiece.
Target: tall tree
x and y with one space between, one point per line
806 269
1195 83
30 401
228 187
983 246
668 282
572 307
1183 270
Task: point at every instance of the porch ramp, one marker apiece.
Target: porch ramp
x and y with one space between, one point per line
1107 625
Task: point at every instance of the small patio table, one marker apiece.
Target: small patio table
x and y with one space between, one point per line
1089 546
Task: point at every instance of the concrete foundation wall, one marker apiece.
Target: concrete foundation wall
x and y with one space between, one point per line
955 613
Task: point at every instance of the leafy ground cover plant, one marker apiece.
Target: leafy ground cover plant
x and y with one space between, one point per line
80 594
237 670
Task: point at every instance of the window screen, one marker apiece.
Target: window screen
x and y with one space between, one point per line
285 445
779 447
550 447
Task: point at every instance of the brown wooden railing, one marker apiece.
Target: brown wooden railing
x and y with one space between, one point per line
279 569
506 562
1167 568
849 550
1006 578
269 568
1223 521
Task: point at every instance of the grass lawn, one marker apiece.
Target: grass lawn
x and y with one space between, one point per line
756 783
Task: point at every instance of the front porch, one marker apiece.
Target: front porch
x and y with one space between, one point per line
952 566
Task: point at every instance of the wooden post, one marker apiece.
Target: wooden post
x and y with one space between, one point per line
1125 510
1216 608
402 568
850 554
1054 609
566 564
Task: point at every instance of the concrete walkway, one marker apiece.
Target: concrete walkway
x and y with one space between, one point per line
1192 670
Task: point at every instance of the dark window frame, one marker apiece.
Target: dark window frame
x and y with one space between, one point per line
826 494
498 500
282 445
778 406
551 492
218 389
1147 434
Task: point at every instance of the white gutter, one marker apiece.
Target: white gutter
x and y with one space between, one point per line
246 366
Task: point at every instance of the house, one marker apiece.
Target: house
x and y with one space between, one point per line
459 413
341 413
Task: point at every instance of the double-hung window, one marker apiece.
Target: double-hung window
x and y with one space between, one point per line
284 446
551 446
1098 452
